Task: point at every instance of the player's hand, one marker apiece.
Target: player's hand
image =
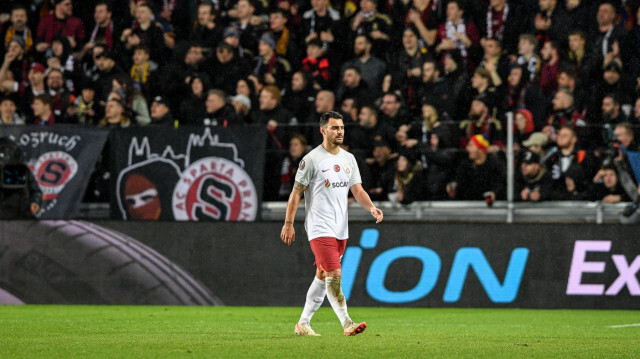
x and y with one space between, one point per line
377 214
288 234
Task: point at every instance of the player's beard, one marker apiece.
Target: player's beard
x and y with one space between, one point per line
337 140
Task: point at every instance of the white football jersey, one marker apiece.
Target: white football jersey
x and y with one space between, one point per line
329 178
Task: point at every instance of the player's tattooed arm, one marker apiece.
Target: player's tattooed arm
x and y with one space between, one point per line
299 187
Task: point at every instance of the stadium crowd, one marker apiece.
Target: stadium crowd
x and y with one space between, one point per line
424 85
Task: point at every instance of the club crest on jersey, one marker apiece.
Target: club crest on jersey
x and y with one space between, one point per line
347 169
301 165
336 168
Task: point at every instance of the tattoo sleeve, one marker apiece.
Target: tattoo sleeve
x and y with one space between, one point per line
299 186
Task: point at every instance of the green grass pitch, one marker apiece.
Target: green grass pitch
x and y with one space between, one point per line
32 331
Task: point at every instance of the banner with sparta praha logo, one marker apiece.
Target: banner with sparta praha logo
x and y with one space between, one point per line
187 174
62 158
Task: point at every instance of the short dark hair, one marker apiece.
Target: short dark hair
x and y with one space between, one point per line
46 99
354 68
325 117
19 6
105 3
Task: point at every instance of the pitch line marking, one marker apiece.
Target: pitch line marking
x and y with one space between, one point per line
624 326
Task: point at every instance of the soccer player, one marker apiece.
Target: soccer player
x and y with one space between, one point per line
325 176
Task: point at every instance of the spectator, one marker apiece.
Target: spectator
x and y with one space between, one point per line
43 110
605 187
580 14
286 41
534 183
408 183
505 21
317 64
298 148
246 87
438 160
192 109
36 87
424 19
566 155
372 68
523 94
619 157
143 69
479 176
495 61
84 109
301 97
242 106
231 36
60 22
536 143
108 70
481 88
104 32
406 67
161 113
61 58
456 78
564 114
218 111
114 115
206 32
273 68
247 25
62 98
273 114
188 61
382 168
375 130
481 122
354 86
582 61
550 57
393 112
528 57
567 81
369 21
349 109
319 23
16 28
145 31
225 69
612 113
8 113
605 40
456 34
550 22
523 127
13 75
433 89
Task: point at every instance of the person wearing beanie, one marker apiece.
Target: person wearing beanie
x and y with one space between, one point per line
480 176
274 69
533 181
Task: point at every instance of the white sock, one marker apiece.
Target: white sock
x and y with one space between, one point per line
337 299
315 298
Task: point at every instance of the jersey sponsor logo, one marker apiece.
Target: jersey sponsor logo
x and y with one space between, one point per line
329 184
215 188
336 168
301 165
53 170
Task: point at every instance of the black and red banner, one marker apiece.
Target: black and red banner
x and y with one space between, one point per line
62 159
187 174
